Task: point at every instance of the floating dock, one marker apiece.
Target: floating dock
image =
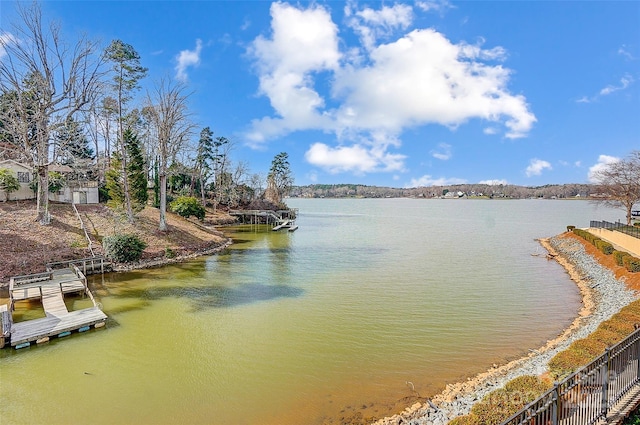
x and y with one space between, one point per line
50 288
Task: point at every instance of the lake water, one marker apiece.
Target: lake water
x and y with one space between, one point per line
368 304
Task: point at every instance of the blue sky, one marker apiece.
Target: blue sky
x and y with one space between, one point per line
398 94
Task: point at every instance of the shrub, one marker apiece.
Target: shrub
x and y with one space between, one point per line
618 256
169 253
123 248
579 232
566 362
530 385
464 420
188 206
631 263
633 307
590 347
604 247
617 326
570 228
606 336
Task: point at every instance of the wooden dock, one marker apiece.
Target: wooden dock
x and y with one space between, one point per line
50 287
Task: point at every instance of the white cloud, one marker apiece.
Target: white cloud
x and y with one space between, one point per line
444 152
603 162
624 83
536 167
434 5
427 180
370 24
358 159
494 182
377 90
187 58
624 52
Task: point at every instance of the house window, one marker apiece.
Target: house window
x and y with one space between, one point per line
23 177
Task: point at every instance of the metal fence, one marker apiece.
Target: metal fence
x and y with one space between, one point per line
586 396
618 227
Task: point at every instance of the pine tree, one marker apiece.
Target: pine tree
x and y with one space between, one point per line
72 144
204 158
136 171
114 185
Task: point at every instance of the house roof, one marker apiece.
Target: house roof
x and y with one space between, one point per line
10 162
60 168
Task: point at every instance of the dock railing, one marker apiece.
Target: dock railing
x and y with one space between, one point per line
90 264
587 396
16 281
83 279
618 227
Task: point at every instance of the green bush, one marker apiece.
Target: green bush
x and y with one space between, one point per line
619 256
631 263
169 253
123 248
188 206
604 247
570 228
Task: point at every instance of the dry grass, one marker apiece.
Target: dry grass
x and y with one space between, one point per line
26 246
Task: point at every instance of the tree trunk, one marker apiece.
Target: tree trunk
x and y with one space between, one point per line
163 202
204 201
43 216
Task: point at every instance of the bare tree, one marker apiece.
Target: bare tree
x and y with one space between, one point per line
619 183
168 112
49 81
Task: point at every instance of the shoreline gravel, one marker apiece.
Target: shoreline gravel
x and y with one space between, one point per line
603 296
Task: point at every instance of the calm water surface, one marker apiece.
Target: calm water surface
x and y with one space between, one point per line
308 327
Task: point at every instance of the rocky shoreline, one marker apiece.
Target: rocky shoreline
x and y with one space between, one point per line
603 296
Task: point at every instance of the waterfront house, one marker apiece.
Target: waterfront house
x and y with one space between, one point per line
79 191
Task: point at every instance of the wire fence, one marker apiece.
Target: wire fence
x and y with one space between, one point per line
586 396
618 227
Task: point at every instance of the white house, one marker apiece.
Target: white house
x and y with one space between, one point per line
24 175
85 192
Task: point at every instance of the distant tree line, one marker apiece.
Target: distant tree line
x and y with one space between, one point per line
561 191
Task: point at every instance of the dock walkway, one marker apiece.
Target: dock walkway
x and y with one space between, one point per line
50 287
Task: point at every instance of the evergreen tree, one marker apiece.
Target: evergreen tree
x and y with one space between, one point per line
72 144
127 72
136 171
113 184
204 158
280 178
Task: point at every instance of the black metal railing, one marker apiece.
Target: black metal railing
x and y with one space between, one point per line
618 227
587 395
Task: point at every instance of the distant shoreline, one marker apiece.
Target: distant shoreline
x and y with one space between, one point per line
598 304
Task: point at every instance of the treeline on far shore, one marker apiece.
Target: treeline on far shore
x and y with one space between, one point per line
551 191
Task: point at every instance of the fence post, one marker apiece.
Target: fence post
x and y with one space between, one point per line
605 382
555 410
637 343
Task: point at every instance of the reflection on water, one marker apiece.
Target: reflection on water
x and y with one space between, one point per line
309 327
214 296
